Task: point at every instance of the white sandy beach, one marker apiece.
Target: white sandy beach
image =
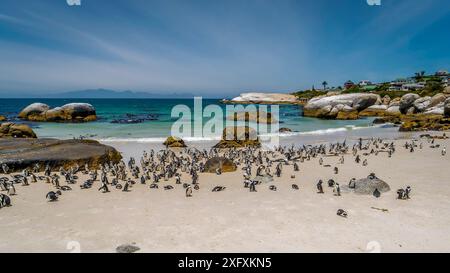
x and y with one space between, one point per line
236 220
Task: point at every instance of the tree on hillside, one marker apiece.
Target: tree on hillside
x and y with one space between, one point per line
419 75
324 85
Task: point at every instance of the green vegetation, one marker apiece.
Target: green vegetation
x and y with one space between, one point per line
309 94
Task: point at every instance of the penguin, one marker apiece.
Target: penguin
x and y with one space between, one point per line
407 192
66 188
218 188
11 189
400 194
196 187
376 193
319 187
337 189
168 187
273 188
52 196
5 201
127 185
342 213
295 187
331 183
352 183
153 186
189 191
104 187
444 152
336 170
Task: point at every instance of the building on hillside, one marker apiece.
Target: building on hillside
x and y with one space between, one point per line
364 83
348 84
441 73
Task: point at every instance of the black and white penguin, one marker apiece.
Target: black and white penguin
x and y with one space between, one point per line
189 191
53 196
319 186
342 213
11 189
169 187
5 201
218 188
273 188
376 193
153 186
295 186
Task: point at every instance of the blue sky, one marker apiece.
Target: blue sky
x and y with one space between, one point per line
216 48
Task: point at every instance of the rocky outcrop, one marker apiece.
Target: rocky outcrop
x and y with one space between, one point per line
407 101
13 130
374 111
2 118
238 137
424 122
369 184
284 130
447 108
264 98
19 154
329 107
72 112
174 142
258 117
222 163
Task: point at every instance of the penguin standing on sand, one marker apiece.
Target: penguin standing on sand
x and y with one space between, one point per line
11 189
444 152
189 191
5 201
319 187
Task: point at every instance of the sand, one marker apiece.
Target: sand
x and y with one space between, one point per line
236 220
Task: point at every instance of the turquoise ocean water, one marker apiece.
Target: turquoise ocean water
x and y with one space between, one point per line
159 127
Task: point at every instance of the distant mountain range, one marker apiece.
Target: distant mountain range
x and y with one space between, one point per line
97 94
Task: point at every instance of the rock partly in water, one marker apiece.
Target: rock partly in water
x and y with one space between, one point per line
72 112
407 101
13 130
284 130
174 142
370 184
2 118
222 163
329 107
238 137
249 116
23 153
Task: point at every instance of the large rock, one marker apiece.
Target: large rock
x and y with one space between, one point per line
2 118
222 163
421 104
258 117
9 129
374 111
393 110
436 110
369 184
386 100
329 106
437 99
72 112
407 101
174 142
264 98
23 153
238 137
447 108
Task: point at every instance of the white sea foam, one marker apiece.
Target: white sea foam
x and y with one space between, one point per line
328 131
